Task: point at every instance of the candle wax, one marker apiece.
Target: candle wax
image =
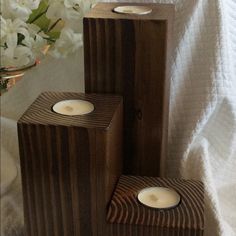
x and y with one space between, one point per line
159 197
138 10
73 107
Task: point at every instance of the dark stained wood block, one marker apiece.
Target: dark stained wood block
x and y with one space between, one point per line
130 55
70 165
128 217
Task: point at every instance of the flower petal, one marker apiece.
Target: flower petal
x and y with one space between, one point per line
11 40
3 27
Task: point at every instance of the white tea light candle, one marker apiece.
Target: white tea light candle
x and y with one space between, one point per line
73 107
159 197
137 10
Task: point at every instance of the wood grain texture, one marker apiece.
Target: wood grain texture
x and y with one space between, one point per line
69 165
129 55
130 218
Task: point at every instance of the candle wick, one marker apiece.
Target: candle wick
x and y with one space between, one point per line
153 198
68 108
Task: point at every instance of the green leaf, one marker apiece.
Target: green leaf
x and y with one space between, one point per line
38 16
53 34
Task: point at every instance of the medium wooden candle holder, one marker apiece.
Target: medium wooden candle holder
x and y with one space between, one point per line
69 164
130 55
128 217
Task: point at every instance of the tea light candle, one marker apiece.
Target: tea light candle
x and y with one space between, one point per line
73 107
159 197
138 10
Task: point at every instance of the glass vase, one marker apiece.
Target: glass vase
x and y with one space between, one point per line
9 76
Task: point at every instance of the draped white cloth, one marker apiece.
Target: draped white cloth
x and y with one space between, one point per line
202 134
202 126
202 138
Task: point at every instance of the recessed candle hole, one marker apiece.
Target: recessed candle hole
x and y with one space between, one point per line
136 10
159 197
73 107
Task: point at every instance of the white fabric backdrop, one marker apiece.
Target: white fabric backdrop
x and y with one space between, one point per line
202 137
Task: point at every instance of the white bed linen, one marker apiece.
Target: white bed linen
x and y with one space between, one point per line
202 137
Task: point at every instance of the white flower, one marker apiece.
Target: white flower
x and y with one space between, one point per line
73 4
65 9
36 44
35 41
68 42
33 29
21 42
16 57
19 8
10 30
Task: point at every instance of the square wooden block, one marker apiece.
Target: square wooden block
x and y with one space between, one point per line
70 164
129 54
130 218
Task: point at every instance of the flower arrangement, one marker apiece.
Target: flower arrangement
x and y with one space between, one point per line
29 28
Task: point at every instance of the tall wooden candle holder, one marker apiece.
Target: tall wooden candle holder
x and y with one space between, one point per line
129 54
128 217
69 164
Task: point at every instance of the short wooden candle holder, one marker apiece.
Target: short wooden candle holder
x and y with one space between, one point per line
129 54
70 164
128 217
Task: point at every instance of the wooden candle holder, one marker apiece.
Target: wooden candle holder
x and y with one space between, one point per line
69 164
130 55
128 217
